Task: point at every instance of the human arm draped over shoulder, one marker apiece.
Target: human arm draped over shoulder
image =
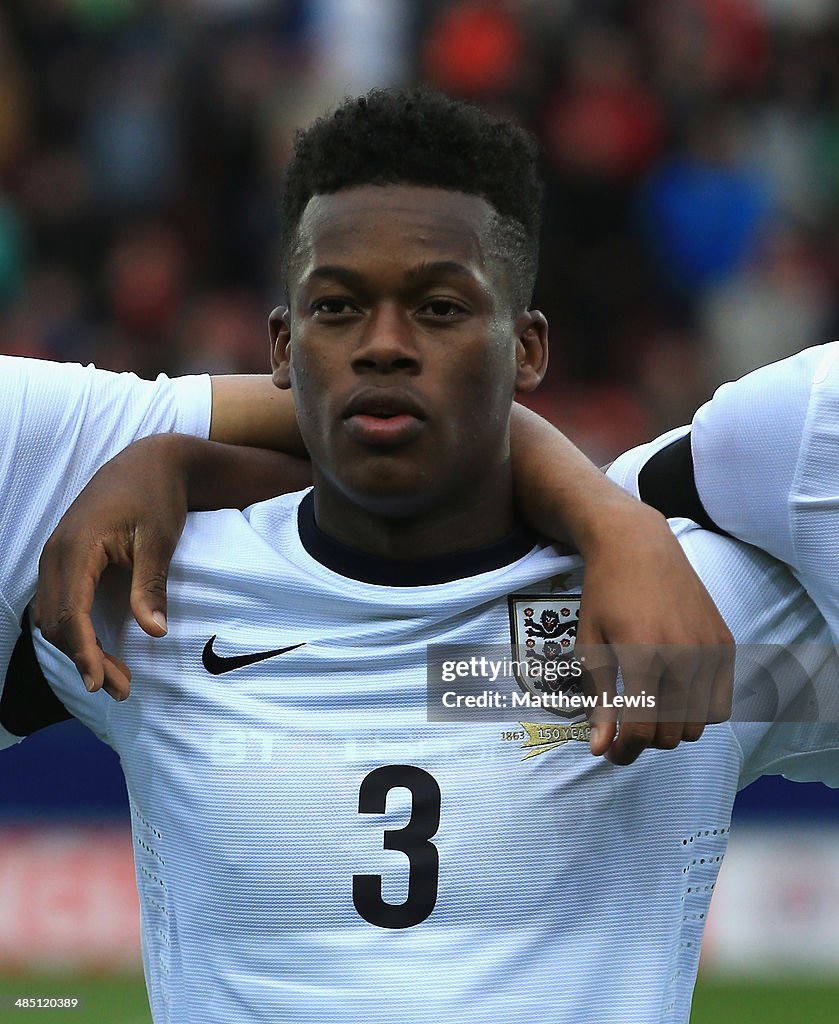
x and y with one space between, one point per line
250 410
752 440
639 591
60 422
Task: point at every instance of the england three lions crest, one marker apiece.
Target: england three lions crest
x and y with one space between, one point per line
544 633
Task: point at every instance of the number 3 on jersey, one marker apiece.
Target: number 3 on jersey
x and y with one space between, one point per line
413 840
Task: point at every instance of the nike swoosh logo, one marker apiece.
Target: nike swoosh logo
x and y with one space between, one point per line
217 665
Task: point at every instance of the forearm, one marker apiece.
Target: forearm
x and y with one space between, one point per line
250 410
559 491
639 590
231 476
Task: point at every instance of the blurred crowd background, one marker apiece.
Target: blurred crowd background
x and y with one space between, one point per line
690 149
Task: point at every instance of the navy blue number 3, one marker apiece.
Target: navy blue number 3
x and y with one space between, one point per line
413 840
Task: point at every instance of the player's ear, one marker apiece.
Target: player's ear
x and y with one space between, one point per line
279 331
531 349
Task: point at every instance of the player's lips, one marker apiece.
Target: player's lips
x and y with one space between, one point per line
378 416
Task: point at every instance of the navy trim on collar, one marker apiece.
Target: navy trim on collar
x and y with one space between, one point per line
406 572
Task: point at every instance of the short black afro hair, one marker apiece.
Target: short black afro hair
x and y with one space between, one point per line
419 136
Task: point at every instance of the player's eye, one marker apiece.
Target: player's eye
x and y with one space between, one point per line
323 308
443 309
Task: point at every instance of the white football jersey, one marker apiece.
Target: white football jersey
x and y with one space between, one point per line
310 847
765 453
60 423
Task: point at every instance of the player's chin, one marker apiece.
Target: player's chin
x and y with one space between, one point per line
388 487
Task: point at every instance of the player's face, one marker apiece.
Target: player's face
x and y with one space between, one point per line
401 347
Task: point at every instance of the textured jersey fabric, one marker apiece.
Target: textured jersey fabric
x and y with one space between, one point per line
766 455
60 422
802 752
281 807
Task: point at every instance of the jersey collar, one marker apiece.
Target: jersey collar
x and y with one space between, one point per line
406 572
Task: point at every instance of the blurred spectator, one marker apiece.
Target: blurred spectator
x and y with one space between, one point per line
145 280
474 49
705 46
12 253
701 212
227 334
15 101
133 135
360 44
691 153
674 379
777 305
603 121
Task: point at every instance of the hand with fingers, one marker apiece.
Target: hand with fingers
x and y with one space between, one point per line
643 607
131 514
645 611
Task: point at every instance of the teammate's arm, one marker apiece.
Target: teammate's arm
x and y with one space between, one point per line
59 423
250 410
760 459
764 450
131 514
639 590
761 462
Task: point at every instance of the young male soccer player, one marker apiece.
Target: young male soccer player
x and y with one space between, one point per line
309 846
640 587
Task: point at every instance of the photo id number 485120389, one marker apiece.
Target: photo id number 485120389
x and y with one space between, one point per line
40 1003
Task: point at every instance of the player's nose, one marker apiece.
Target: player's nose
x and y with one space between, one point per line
388 343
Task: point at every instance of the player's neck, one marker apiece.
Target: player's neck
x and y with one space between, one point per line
474 519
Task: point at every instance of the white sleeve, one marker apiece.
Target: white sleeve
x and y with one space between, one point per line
60 423
755 439
766 460
765 455
785 715
799 751
787 673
